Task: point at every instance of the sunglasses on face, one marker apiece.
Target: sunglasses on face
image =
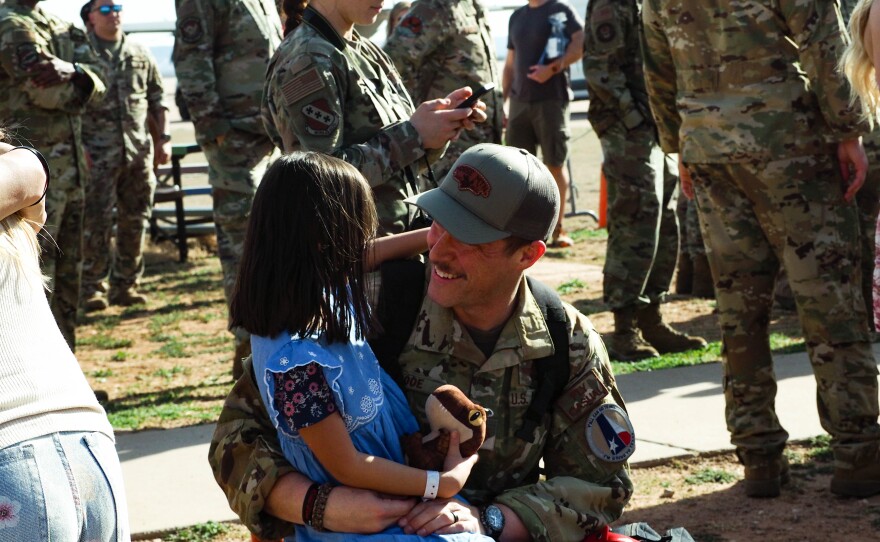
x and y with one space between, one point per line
105 10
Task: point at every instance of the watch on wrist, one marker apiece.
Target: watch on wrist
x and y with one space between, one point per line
493 521
165 138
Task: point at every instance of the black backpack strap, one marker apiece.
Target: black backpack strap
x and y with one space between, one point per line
400 298
551 372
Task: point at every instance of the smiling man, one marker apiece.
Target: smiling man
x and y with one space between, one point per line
487 330
122 156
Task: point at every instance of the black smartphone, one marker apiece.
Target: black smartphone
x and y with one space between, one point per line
479 93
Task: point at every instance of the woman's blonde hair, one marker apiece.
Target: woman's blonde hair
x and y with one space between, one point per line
856 65
19 245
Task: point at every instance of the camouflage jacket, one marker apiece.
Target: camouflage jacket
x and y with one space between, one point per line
47 118
442 46
346 100
221 50
586 484
117 124
613 65
737 81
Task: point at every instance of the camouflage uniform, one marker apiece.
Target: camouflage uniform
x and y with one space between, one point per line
348 102
581 490
121 155
221 50
689 228
49 118
439 47
642 226
750 95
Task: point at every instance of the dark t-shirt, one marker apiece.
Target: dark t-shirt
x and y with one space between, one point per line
528 32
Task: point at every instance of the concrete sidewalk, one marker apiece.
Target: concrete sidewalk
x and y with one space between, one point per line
675 412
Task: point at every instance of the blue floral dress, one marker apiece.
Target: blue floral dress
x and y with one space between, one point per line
371 404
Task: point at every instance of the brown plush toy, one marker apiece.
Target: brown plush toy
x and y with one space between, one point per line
448 409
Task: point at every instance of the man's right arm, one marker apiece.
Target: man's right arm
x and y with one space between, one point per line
660 78
194 65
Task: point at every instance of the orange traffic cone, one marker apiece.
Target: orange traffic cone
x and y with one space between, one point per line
603 198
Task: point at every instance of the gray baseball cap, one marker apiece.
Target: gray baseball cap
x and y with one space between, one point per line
493 192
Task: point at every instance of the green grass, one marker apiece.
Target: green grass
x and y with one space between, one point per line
186 404
104 342
120 355
710 476
203 532
779 344
570 287
589 233
169 373
820 448
101 373
172 349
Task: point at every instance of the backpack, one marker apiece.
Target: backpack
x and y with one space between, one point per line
397 313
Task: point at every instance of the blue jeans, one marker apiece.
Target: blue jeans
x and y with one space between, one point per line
62 487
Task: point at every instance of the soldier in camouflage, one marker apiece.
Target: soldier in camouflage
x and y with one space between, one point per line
485 336
439 47
642 225
749 94
115 135
694 276
330 90
221 50
48 73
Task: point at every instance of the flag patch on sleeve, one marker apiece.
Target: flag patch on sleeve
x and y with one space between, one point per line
610 434
302 85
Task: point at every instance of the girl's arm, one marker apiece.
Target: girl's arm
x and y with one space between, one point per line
22 179
395 247
331 444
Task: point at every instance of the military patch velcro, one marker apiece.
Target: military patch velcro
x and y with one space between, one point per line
582 396
605 32
190 29
413 24
26 55
320 118
610 434
302 85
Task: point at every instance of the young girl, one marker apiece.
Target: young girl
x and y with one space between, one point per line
860 62
301 294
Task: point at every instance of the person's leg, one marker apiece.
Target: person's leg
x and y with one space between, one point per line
520 129
684 279
551 121
134 205
67 268
744 266
100 198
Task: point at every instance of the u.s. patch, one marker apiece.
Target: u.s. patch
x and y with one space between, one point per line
320 118
610 434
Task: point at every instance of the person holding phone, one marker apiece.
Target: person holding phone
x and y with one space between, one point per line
328 89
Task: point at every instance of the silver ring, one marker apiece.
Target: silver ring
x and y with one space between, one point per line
454 516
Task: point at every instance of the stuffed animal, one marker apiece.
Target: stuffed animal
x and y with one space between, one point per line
448 409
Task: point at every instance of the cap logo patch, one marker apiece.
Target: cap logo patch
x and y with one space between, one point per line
413 24
191 30
320 118
472 180
610 434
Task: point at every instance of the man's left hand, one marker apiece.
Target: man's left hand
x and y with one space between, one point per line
441 516
543 72
853 165
162 154
51 71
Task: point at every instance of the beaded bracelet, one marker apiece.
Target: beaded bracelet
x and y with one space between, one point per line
317 522
308 508
45 169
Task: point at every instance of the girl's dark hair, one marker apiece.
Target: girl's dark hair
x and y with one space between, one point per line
301 269
293 9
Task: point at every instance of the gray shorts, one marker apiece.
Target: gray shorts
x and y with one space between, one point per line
543 123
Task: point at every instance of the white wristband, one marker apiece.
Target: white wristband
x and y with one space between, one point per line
432 484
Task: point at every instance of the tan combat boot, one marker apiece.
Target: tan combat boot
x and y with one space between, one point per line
127 297
703 285
626 343
96 301
764 474
861 481
662 337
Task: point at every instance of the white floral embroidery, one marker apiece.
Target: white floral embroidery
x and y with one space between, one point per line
349 421
341 357
374 386
284 361
351 390
366 405
9 510
361 355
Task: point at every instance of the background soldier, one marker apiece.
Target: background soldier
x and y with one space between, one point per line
221 51
115 135
642 225
765 135
442 46
48 73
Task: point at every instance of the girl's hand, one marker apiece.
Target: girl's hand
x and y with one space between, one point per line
456 468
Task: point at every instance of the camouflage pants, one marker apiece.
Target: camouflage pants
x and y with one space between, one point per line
868 201
61 244
642 226
689 228
756 215
129 188
235 169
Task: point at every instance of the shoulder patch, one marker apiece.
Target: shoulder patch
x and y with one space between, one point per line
302 85
605 32
610 434
320 118
583 396
26 55
191 30
412 23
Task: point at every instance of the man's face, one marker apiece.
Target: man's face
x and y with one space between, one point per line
472 279
107 26
359 11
